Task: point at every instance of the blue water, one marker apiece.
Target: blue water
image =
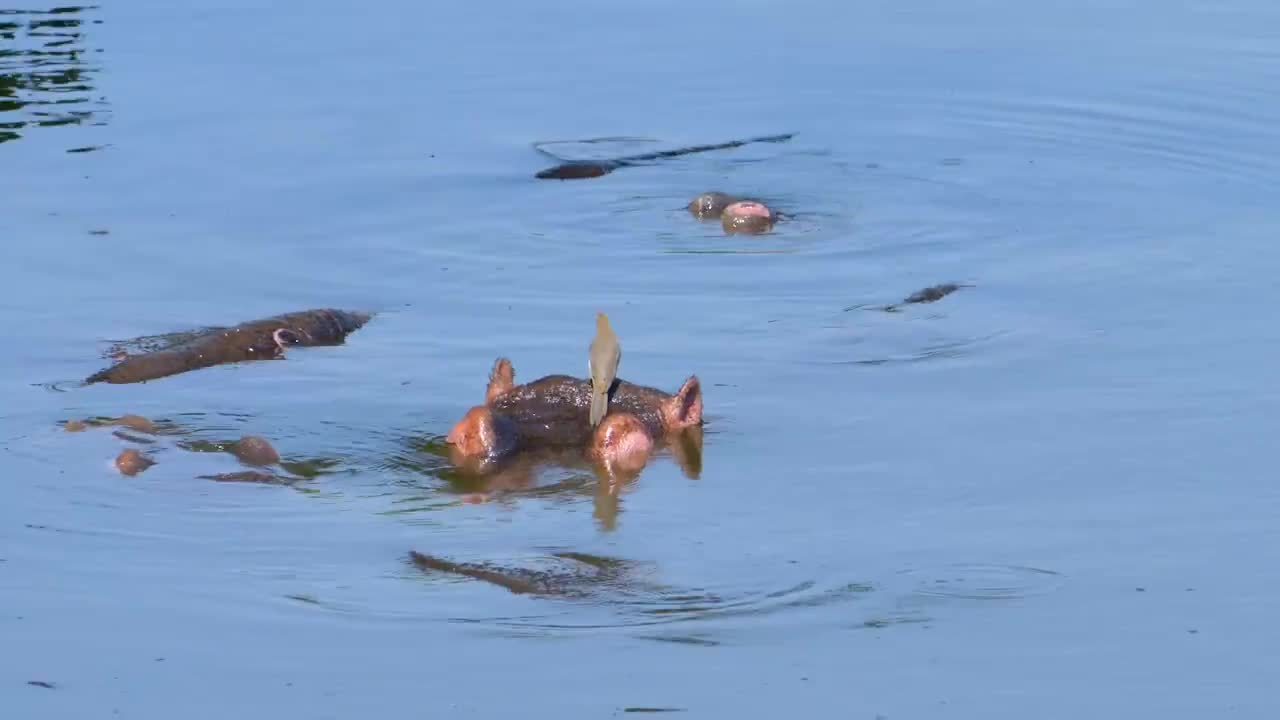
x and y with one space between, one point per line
1047 495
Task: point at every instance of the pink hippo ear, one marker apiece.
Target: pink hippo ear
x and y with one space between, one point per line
501 379
684 409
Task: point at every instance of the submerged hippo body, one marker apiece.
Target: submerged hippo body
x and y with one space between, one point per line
256 340
553 413
573 574
931 294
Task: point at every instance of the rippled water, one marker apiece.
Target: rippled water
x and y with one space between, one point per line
48 71
1044 495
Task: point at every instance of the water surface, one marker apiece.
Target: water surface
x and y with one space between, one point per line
1046 495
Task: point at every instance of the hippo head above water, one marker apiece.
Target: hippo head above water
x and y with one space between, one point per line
736 214
552 413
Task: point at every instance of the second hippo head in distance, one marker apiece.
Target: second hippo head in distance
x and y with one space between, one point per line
736 214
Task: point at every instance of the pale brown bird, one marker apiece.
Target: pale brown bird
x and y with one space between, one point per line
602 362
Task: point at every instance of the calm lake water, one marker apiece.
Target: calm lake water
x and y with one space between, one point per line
1048 495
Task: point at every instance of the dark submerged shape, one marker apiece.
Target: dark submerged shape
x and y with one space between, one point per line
932 294
255 340
582 577
250 476
580 169
927 295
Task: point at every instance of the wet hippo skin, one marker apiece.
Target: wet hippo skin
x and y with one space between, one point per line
930 294
252 450
581 169
736 214
577 576
255 450
933 294
709 205
553 413
131 462
581 577
256 340
747 216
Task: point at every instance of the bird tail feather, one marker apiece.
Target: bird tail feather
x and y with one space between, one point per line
599 403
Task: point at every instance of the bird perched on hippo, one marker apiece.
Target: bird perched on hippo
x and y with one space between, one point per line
602 362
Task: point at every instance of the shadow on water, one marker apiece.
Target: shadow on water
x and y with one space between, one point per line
47 71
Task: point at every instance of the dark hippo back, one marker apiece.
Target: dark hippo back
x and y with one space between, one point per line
254 340
553 411
324 326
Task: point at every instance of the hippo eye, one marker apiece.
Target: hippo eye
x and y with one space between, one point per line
284 335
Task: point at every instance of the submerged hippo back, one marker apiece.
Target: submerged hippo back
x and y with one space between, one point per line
255 340
321 327
309 327
151 366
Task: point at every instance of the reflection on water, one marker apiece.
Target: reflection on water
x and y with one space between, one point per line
552 475
420 466
47 71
